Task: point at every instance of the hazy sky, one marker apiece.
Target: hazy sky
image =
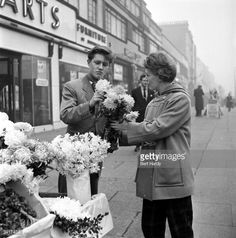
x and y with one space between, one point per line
211 23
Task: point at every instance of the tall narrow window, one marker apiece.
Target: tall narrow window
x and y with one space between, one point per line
115 24
138 38
92 11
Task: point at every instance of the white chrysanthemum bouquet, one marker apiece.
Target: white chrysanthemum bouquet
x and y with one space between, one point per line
17 148
35 154
71 218
18 172
79 152
116 105
12 133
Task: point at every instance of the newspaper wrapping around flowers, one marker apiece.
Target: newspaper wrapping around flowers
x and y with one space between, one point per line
20 179
99 205
73 210
42 227
116 105
79 188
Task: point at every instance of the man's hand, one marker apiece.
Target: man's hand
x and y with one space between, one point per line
97 97
119 126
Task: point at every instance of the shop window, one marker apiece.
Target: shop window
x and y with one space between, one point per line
120 76
36 90
70 72
153 47
115 24
138 38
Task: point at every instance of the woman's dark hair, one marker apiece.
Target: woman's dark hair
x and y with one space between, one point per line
161 65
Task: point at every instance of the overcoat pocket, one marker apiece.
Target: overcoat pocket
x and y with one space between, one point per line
168 174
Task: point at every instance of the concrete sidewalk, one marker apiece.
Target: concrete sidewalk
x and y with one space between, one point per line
214 164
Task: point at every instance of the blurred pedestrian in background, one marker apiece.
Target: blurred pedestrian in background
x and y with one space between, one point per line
79 104
142 96
166 188
199 104
229 102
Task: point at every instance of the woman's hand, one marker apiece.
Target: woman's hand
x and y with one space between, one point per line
119 126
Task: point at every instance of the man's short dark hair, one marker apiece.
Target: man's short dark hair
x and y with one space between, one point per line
162 65
103 50
142 76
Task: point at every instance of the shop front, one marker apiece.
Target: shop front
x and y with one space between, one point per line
38 48
25 87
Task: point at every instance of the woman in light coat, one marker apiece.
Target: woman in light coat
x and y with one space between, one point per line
164 176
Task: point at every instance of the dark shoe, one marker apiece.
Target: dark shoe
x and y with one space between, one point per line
136 149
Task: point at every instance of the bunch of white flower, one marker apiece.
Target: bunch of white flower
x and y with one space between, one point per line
117 98
69 209
79 152
13 133
128 100
132 116
102 85
96 150
68 161
19 172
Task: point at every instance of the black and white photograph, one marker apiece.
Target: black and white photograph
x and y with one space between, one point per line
117 118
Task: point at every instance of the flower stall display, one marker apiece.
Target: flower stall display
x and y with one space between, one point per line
91 220
77 156
114 107
35 154
17 148
21 212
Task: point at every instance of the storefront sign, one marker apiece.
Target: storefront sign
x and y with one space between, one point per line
41 66
131 55
73 75
47 15
42 82
89 36
212 110
118 72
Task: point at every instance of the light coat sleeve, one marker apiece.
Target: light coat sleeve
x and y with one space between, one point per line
176 112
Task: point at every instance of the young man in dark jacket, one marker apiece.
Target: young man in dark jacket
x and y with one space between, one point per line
80 101
142 96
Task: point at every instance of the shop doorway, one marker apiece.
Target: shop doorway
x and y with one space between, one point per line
9 84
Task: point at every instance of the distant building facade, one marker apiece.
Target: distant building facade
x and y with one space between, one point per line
180 35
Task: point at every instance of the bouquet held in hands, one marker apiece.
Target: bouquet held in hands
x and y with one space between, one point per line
115 107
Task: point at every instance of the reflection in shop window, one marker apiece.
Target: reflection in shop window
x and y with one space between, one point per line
36 96
70 72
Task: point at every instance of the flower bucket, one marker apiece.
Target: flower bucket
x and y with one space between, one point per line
79 188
